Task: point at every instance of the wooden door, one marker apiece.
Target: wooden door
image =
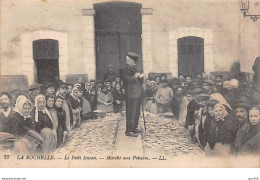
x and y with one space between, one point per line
190 55
118 28
107 52
47 70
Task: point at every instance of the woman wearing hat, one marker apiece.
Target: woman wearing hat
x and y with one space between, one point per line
50 89
105 100
44 125
20 121
224 131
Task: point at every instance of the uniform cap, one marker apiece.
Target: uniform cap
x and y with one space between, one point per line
133 56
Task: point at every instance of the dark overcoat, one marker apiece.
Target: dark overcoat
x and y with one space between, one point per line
132 85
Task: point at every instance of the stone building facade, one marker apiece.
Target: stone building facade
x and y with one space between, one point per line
226 35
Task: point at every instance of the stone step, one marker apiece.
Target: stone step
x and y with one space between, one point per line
125 145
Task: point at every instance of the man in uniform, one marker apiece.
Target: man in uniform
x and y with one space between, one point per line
132 82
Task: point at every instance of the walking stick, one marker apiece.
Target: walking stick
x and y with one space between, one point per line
143 108
143 116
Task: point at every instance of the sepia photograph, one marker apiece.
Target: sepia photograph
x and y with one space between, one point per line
130 84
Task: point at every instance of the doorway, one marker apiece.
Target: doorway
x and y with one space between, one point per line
47 70
46 55
190 55
118 29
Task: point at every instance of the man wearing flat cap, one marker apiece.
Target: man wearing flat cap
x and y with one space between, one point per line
34 90
66 104
241 110
201 114
132 82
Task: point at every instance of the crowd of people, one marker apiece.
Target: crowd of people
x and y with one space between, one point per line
222 116
43 115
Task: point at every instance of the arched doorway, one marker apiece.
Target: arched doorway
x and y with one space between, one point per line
118 29
190 55
46 57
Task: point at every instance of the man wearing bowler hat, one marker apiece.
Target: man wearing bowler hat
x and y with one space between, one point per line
132 81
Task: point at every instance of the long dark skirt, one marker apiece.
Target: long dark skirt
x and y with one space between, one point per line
60 132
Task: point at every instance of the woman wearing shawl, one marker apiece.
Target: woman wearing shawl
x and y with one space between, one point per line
105 100
62 129
251 142
44 124
224 131
20 121
76 108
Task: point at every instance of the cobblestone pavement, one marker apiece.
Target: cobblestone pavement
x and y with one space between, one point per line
93 137
165 136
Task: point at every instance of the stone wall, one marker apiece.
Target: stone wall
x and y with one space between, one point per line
229 36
